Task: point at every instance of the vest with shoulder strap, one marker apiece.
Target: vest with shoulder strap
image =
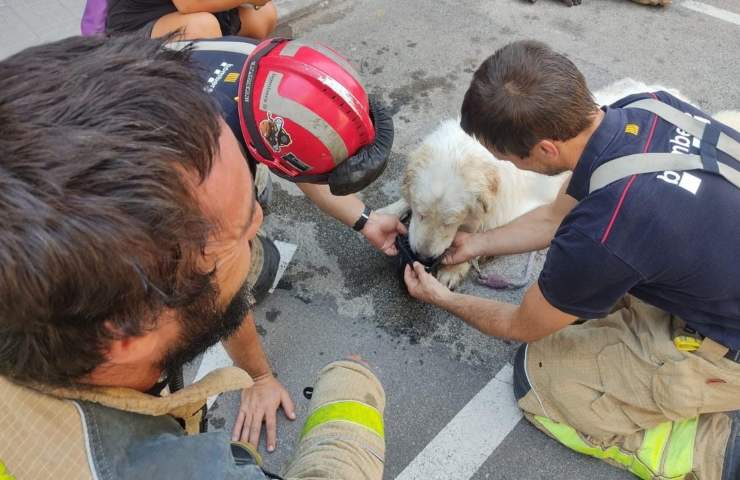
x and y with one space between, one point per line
711 137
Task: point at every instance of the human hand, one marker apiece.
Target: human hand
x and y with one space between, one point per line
381 230
464 247
423 286
259 403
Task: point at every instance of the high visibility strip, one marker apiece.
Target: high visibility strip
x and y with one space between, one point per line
653 444
4 475
242 48
291 48
667 449
346 411
569 437
272 101
687 123
679 459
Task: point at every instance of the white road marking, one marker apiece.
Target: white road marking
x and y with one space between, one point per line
464 444
287 250
214 358
715 12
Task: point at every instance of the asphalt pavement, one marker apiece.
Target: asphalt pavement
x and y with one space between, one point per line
339 296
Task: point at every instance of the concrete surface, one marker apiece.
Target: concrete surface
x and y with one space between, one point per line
339 296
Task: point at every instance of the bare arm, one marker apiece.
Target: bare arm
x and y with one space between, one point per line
534 319
532 231
346 209
260 402
245 349
380 229
192 6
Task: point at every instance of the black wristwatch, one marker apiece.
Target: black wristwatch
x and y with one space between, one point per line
360 223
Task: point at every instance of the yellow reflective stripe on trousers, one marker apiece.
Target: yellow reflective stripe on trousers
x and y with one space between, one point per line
667 449
4 475
346 411
653 444
568 436
679 459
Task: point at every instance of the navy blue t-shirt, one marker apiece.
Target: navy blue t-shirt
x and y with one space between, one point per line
668 238
221 71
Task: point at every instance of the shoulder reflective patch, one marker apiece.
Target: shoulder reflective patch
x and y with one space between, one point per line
632 129
349 411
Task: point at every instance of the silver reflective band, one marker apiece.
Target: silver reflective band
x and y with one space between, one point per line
271 101
639 163
292 47
687 123
212 46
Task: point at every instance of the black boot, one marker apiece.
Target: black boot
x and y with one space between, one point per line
264 267
521 383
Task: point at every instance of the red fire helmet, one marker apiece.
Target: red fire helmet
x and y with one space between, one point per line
302 108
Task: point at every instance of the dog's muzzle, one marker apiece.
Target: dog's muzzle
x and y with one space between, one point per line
407 256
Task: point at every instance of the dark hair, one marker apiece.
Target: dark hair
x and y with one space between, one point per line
524 93
102 142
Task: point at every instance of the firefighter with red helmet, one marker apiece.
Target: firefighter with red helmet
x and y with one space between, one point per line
298 109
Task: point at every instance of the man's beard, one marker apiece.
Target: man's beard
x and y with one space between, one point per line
204 324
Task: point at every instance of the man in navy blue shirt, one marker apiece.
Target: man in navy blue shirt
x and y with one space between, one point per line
634 323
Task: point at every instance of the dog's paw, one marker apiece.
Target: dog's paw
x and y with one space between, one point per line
398 208
452 275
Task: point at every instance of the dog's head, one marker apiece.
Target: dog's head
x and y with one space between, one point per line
450 184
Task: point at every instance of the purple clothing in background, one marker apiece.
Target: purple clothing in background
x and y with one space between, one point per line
93 19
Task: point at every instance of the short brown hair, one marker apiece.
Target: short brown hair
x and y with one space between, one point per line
524 93
101 143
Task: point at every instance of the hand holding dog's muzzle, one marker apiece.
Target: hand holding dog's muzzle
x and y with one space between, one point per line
423 286
364 167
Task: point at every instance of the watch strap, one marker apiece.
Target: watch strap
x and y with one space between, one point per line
360 223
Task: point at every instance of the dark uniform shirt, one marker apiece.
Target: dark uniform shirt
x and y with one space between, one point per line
221 72
671 239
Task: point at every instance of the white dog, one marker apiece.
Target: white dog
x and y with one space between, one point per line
453 183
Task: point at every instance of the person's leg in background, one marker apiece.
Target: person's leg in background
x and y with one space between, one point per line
618 389
193 25
258 23
343 436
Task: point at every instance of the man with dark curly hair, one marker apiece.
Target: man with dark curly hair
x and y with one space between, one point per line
126 249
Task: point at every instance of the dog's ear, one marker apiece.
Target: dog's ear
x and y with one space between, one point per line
488 193
416 161
481 175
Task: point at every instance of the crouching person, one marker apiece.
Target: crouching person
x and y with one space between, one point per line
129 216
640 244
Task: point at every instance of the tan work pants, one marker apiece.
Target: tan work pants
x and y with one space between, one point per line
343 436
613 378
